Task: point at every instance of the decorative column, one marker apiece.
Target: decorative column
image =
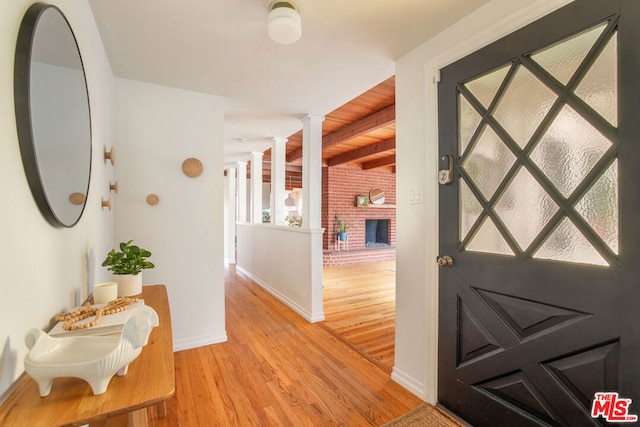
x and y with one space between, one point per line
256 187
242 191
312 205
312 171
231 216
278 165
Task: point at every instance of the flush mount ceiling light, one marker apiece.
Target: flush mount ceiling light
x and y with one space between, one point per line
284 25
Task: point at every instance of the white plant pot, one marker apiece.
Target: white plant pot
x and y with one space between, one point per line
128 284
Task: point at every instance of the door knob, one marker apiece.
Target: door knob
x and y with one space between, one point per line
445 261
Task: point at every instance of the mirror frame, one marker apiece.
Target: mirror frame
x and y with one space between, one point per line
22 99
377 196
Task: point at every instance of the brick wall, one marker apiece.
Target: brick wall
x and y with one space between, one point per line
340 186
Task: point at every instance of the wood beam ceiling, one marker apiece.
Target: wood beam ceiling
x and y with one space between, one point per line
361 127
350 156
379 162
359 134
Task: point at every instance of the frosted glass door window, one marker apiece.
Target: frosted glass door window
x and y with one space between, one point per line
523 106
538 154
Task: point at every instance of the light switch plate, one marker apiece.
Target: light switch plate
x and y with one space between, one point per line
415 195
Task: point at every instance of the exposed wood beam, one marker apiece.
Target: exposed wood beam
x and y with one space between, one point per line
349 156
266 165
292 175
368 124
382 161
294 155
289 169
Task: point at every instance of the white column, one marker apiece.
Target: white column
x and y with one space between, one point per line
231 215
242 191
312 171
278 164
256 187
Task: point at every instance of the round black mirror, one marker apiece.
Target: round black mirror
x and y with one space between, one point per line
52 114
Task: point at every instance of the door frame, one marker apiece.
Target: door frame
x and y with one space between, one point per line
460 40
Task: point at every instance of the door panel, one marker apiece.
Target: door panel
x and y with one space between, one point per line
538 312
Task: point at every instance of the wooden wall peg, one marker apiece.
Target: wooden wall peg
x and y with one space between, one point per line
153 199
76 198
114 187
110 155
192 167
106 203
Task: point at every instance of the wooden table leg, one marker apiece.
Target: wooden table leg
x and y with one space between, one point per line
138 418
161 409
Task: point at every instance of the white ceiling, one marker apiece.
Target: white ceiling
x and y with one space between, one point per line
221 47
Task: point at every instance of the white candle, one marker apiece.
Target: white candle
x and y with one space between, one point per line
105 292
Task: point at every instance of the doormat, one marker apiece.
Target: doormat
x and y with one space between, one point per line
423 415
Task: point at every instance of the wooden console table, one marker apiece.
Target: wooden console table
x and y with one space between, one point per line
149 381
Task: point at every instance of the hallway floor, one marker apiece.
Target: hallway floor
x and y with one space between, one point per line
276 369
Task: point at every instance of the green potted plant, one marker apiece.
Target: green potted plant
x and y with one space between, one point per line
295 222
126 266
362 201
342 226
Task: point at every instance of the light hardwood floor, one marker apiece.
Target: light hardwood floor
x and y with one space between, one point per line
276 369
359 307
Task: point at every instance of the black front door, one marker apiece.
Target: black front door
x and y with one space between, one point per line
541 308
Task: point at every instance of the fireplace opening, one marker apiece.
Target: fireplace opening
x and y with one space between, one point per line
376 233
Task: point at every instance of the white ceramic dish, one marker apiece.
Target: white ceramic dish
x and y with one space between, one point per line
95 359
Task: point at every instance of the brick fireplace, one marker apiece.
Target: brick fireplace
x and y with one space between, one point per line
340 186
376 233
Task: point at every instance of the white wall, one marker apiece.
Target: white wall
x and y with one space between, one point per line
416 155
287 262
157 129
47 269
227 234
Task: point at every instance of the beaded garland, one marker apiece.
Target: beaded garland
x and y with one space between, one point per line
115 306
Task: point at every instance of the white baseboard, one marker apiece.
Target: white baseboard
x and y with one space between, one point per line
189 343
311 317
414 386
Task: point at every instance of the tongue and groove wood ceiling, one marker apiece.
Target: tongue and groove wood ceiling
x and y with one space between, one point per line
360 134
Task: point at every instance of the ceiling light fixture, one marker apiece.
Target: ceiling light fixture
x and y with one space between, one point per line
284 25
289 201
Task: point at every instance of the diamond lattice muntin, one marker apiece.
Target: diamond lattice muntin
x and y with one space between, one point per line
538 154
